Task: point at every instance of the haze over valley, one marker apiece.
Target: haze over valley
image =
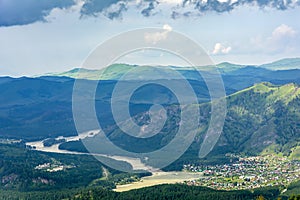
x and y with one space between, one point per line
149 99
36 118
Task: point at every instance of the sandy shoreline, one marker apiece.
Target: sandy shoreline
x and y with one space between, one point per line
136 163
159 178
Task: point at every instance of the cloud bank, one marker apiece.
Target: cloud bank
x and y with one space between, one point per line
185 8
221 49
16 12
110 8
158 36
21 12
282 39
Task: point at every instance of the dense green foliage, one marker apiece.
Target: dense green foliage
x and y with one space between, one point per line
177 191
40 108
51 141
21 180
73 146
159 192
294 197
258 118
18 170
261 116
292 189
26 170
39 195
261 119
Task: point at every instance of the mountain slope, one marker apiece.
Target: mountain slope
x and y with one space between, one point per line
41 107
264 118
284 64
261 116
115 71
257 117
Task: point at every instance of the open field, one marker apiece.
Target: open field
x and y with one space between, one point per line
160 178
136 163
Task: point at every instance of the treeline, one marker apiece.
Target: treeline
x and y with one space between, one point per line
40 195
178 191
295 197
256 117
159 192
86 180
19 171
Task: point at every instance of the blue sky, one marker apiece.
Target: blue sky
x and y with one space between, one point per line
41 36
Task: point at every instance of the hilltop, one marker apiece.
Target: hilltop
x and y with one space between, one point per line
116 71
261 117
283 64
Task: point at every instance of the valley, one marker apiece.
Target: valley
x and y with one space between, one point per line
39 146
41 107
158 177
248 173
257 152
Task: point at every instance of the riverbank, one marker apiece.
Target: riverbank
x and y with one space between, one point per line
136 163
159 178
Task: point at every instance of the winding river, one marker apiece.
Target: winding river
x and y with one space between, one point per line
134 162
157 177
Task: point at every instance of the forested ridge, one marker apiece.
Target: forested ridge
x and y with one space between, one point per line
263 118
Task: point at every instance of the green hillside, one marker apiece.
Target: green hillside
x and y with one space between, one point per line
179 191
284 64
226 67
115 71
27 174
261 119
262 116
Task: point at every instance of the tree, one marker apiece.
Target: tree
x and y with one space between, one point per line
260 197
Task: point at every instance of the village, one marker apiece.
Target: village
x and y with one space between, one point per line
247 173
54 166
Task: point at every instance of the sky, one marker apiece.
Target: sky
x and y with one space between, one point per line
42 36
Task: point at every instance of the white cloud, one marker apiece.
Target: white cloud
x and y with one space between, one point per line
222 1
176 2
282 39
167 27
221 49
283 31
233 1
158 36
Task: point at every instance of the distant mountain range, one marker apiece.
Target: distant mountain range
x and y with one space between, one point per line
261 116
288 63
115 71
260 119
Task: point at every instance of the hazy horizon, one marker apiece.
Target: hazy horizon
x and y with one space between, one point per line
67 69
42 37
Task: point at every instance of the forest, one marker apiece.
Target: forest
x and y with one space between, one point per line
83 178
